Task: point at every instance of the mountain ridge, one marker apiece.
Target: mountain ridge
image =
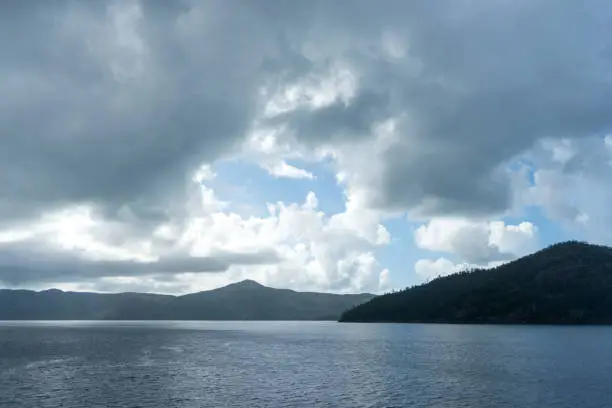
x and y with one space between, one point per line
244 300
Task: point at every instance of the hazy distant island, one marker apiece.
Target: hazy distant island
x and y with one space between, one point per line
246 300
566 283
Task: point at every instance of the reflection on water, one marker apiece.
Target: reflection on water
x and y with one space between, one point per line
294 364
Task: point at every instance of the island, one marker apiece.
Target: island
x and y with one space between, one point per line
566 283
245 300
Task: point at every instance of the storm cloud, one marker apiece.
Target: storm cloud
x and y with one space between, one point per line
24 263
109 101
115 104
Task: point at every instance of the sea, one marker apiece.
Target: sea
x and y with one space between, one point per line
302 364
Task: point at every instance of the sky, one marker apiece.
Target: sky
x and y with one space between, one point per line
338 146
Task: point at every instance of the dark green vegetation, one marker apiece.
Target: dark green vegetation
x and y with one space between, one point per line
246 300
567 283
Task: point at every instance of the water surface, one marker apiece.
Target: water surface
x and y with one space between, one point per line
302 364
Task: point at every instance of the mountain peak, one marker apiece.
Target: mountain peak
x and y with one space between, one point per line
246 284
53 291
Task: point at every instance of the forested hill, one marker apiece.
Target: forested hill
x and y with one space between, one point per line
567 283
246 300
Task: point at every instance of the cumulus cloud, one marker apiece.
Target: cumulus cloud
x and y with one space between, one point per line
294 245
574 187
432 268
335 252
477 242
428 269
472 243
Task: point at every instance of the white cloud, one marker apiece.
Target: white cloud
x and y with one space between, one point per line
428 269
516 240
204 173
319 89
315 251
270 150
473 243
282 169
318 251
576 192
477 242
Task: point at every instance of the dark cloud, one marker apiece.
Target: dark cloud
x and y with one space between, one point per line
113 103
479 83
31 262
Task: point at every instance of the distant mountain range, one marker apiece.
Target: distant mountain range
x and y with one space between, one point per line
567 283
246 300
